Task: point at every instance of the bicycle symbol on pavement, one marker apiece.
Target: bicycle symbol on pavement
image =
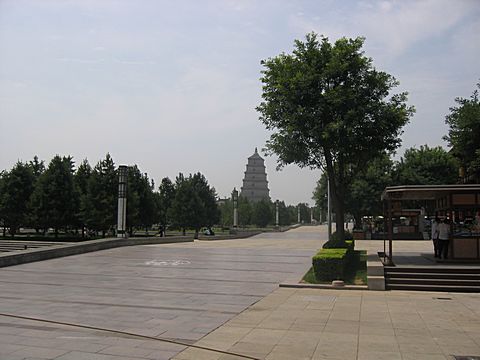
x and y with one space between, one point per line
167 262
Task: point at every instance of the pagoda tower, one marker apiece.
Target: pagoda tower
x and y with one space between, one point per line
255 184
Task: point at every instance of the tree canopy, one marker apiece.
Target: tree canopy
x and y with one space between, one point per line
464 133
426 166
329 108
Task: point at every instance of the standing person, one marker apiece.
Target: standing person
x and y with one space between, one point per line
444 238
435 224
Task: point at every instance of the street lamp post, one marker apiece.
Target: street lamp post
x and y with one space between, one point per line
235 207
298 213
276 214
329 211
122 201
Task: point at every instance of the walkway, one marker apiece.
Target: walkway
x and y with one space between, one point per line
177 291
222 295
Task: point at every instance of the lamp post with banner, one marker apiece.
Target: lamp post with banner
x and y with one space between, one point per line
235 207
122 201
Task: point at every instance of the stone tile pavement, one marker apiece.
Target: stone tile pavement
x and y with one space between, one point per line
338 324
177 291
223 295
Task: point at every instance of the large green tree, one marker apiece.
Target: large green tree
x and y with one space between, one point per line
329 108
365 190
263 213
55 199
464 134
426 166
194 205
245 211
164 202
226 213
16 187
101 197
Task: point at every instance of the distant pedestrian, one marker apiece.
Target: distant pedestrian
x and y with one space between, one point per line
435 224
444 238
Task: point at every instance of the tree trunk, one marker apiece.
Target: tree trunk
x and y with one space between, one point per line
183 231
196 234
340 220
337 195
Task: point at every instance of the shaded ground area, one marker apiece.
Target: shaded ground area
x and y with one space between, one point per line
176 291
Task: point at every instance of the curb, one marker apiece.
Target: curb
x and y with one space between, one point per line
322 286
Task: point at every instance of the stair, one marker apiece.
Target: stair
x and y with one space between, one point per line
433 278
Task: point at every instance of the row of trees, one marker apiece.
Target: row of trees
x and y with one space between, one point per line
262 213
84 199
422 166
63 197
418 166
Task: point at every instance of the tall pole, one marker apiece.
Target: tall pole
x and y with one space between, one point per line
298 214
329 211
122 201
235 208
276 214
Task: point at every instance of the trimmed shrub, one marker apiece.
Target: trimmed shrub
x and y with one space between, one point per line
334 243
329 264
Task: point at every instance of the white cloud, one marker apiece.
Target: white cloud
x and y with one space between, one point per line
81 61
395 26
391 27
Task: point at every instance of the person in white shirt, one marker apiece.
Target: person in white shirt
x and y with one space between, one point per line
435 224
444 238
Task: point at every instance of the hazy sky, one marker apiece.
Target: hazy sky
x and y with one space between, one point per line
172 86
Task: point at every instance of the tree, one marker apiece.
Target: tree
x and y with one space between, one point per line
38 167
101 197
262 213
426 166
464 133
194 205
320 195
81 177
328 108
283 214
166 197
186 209
208 196
226 213
55 200
305 214
364 192
141 205
15 190
245 211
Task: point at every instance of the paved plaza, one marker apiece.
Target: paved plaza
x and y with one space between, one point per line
223 295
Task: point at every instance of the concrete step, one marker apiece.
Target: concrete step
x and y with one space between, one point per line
424 275
428 281
420 287
450 269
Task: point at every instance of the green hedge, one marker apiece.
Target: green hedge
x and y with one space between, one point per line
329 264
334 243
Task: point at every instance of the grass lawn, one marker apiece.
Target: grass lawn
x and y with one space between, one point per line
356 273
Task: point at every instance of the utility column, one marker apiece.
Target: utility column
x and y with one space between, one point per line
122 201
